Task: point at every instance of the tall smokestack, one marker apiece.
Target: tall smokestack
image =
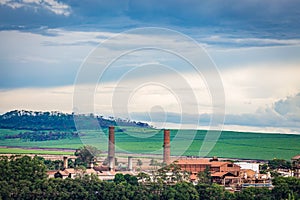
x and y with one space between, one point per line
129 163
111 148
166 146
65 158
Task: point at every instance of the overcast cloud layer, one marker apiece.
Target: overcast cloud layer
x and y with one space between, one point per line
255 45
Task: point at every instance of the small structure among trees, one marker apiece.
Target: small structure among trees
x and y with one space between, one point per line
296 166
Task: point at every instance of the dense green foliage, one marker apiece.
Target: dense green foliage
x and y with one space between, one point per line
205 176
286 188
279 164
42 135
25 178
86 155
127 178
54 165
30 120
22 168
57 164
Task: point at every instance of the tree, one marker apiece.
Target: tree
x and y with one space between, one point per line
253 193
286 187
177 174
119 178
279 164
185 190
152 162
80 171
139 162
212 192
263 169
5 189
204 177
127 178
37 121
54 165
143 177
132 180
22 168
86 155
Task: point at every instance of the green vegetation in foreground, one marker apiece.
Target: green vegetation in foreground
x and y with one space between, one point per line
149 141
31 182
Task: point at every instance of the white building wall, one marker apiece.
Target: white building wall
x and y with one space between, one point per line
245 165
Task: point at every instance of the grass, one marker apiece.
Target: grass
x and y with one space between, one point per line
10 132
32 151
149 141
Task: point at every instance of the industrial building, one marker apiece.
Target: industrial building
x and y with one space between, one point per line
224 173
229 174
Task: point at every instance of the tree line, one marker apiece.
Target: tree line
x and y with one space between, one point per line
39 121
25 178
42 135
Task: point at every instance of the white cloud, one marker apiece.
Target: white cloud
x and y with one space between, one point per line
160 105
224 41
253 79
289 108
10 3
250 87
282 114
54 99
56 7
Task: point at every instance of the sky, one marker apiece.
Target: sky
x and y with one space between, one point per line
251 46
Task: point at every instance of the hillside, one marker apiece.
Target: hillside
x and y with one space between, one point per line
38 121
34 131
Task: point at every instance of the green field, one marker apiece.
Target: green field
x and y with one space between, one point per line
149 141
33 151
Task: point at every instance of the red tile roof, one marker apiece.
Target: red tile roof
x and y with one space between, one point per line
70 170
51 172
193 161
221 174
218 163
200 161
296 157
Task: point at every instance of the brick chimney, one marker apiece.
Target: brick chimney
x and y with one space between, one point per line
167 151
111 148
65 159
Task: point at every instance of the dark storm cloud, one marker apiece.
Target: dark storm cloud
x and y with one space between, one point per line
231 20
279 17
260 18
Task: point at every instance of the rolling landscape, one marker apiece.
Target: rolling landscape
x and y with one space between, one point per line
136 138
150 100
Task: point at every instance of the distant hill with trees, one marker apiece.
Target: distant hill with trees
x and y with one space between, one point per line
39 121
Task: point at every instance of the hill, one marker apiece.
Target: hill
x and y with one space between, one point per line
54 130
39 121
